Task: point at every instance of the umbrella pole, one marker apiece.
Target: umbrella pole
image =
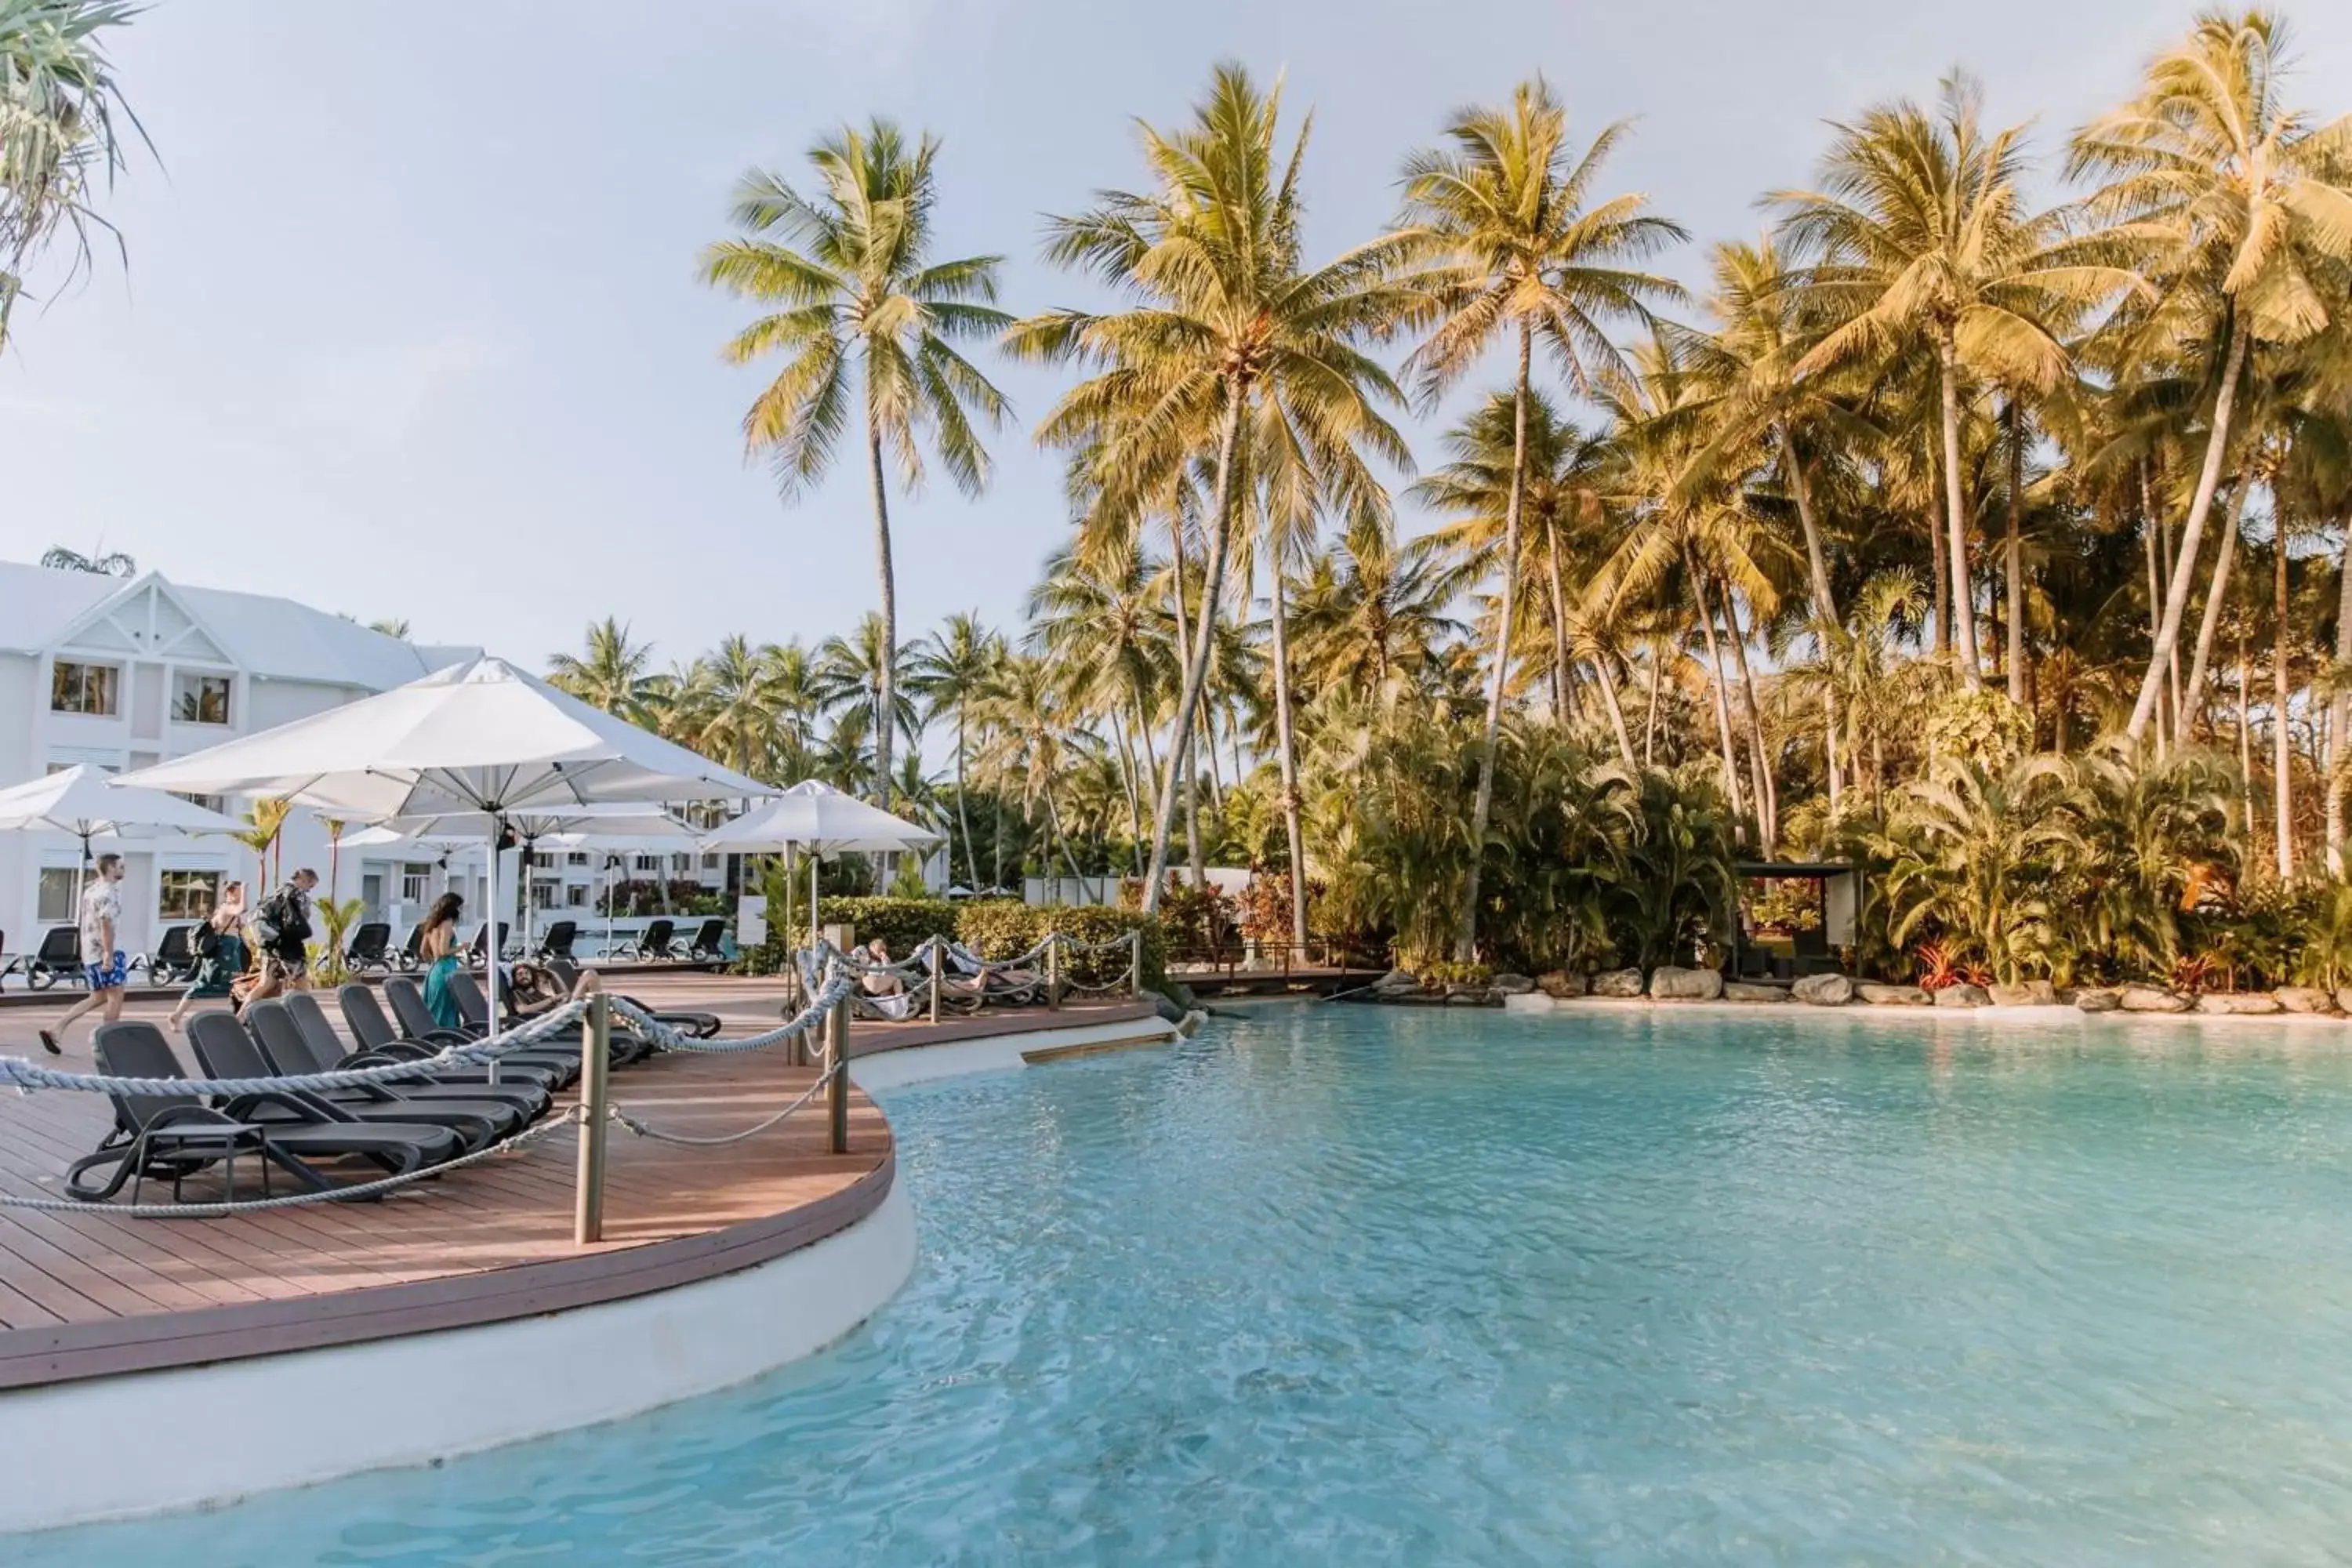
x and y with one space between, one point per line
490 944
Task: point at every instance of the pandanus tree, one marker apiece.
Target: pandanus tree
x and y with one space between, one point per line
2238 204
1505 212
58 130
1918 234
856 296
1223 324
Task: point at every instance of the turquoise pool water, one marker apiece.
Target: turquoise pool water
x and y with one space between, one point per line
1362 1286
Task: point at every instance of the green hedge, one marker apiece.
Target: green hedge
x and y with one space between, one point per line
903 925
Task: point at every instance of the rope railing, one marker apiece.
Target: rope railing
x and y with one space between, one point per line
644 1128
18 1073
343 1195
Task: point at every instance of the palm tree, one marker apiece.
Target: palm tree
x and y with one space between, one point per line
610 673
948 670
1225 325
1373 615
1504 208
2238 202
852 670
1036 736
730 707
1918 234
57 134
849 272
1568 473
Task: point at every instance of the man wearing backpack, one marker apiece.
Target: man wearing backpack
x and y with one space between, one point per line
281 930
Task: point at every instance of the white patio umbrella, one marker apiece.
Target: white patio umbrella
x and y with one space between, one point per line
80 802
480 737
814 817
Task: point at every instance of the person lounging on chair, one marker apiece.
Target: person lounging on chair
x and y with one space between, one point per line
176 1135
701 1026
974 977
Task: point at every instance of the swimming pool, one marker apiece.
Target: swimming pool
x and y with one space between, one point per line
1367 1285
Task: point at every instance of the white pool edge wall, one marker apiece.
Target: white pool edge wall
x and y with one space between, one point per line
206 1436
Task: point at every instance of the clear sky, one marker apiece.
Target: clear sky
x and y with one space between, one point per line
411 326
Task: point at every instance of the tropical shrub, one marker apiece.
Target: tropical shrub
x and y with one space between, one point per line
1676 888
1973 856
902 924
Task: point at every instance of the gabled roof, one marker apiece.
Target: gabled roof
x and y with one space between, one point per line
274 638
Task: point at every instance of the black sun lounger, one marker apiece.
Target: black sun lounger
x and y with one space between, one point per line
226 1049
378 1038
316 1048
147 1127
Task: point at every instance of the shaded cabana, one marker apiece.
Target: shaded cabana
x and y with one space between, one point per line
1837 891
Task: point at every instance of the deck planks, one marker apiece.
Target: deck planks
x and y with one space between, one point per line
87 1293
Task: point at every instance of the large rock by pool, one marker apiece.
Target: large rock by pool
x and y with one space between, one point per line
1879 996
2151 999
1671 983
1746 991
1620 983
2227 1002
1825 990
1962 994
2024 994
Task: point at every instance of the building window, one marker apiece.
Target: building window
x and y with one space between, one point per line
649 863
209 802
188 895
710 862
200 698
56 899
681 863
84 688
576 896
576 859
412 882
543 894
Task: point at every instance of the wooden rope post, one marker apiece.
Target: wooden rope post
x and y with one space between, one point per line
1135 962
836 1056
935 980
1053 970
595 1110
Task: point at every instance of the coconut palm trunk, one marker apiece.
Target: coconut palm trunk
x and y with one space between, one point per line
1722 701
1825 615
2192 534
1768 795
2192 695
2281 740
1964 613
2013 555
1608 699
1562 681
1196 666
1288 747
885 677
1465 935
964 813
2339 705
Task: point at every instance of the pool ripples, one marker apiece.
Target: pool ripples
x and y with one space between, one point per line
1367 1285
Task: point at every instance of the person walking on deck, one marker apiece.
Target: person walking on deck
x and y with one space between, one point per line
101 961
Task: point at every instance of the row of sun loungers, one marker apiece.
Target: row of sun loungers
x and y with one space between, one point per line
388 1129
369 952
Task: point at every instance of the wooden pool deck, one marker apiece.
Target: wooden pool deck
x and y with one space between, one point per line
88 1293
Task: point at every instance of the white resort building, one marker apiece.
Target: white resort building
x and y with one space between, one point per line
123 672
